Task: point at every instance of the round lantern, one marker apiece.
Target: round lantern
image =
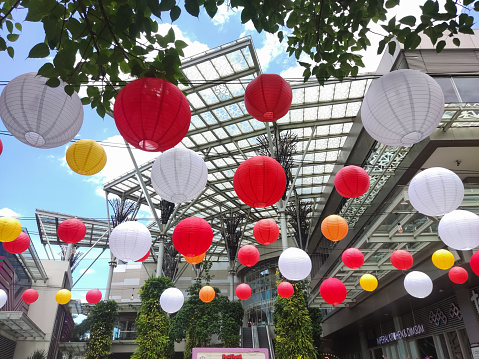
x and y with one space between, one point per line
1 147
30 296
285 290
459 229
334 227
368 282
294 264
436 191
475 263
18 245
248 255
152 114
86 157
402 107
268 97
171 300
243 291
3 298
71 230
93 296
207 294
196 259
10 229
353 258
401 259
333 291
145 257
418 284
266 231
351 181
443 259
39 115
129 241
192 236
458 275
63 296
260 181
179 175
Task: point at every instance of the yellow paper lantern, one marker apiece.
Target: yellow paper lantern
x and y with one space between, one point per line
368 282
195 260
443 259
86 157
10 229
63 296
207 294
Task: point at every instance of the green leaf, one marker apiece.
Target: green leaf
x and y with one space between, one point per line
211 8
69 90
175 13
391 3
166 5
10 51
18 26
192 7
456 41
392 47
40 50
408 20
53 82
3 44
170 36
12 37
440 46
85 100
9 26
476 6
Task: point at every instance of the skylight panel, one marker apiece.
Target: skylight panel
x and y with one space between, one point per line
338 111
236 89
221 114
209 96
311 94
208 71
220 133
324 112
310 114
187 142
237 60
245 127
199 139
233 130
234 111
222 66
341 91
193 75
197 122
352 109
208 118
222 92
298 96
195 101
247 55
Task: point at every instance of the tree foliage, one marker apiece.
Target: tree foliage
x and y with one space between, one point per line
316 320
79 331
102 319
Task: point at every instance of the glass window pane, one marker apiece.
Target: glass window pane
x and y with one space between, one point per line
447 88
467 87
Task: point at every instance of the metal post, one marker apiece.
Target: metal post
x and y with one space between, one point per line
232 273
283 227
112 262
160 254
68 252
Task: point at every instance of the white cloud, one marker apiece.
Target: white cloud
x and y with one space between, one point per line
193 48
223 15
87 271
270 50
7 212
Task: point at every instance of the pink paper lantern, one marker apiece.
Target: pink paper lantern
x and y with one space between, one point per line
266 231
458 275
248 255
351 181
93 296
30 296
285 290
353 258
401 259
333 291
243 291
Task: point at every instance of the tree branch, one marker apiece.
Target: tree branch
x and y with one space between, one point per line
2 19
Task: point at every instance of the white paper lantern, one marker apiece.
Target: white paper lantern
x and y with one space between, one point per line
179 175
418 284
39 115
3 298
129 241
294 264
402 107
172 300
460 230
436 191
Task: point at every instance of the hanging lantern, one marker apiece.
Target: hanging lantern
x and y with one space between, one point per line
18 245
207 294
86 157
266 231
351 181
458 275
443 259
285 290
475 263
179 175
1 147
334 227
30 296
459 229
248 255
93 296
436 191
294 264
145 257
418 284
3 298
63 296
39 115
171 300
401 259
129 241
10 229
152 114
243 291
260 181
268 97
402 108
353 258
196 259
71 230
333 291
368 282
192 236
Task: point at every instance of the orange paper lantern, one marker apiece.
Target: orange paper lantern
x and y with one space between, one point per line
334 227
207 294
196 259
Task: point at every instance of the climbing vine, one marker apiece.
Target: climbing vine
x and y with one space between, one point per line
102 319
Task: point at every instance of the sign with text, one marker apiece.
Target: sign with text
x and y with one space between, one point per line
230 353
401 334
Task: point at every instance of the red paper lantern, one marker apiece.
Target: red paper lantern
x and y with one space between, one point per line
145 257
71 230
93 296
351 181
353 258
285 290
475 263
268 97
152 114
401 259
458 275
248 255
1 147
192 236
260 181
30 296
243 291
333 291
18 245
266 231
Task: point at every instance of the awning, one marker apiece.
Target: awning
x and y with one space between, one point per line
19 325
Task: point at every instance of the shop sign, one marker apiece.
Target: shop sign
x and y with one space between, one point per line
401 334
230 353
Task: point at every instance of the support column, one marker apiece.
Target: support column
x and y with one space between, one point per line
232 273
68 253
112 264
403 352
283 225
363 342
469 306
160 255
